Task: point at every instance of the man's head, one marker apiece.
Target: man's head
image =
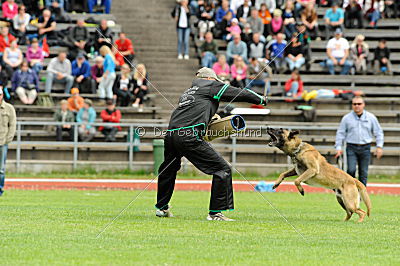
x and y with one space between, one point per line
358 105
4 31
80 23
110 105
207 73
225 4
254 13
80 58
335 5
208 36
338 33
254 61
279 37
64 105
382 43
236 38
122 36
256 37
103 24
46 14
62 56
24 66
246 2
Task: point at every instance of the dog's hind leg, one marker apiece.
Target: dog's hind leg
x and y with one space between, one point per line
352 201
291 172
339 198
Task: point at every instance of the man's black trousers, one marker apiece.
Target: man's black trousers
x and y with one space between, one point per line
189 143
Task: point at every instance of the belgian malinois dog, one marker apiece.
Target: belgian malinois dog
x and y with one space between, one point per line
313 169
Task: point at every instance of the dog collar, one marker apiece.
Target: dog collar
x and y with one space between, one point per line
298 149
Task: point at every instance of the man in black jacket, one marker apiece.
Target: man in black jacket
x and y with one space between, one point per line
382 64
184 138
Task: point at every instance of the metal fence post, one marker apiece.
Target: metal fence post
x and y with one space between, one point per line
130 148
18 155
234 152
75 159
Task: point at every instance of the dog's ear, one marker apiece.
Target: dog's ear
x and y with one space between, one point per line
293 133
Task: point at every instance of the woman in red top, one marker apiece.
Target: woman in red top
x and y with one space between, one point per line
10 9
294 86
110 115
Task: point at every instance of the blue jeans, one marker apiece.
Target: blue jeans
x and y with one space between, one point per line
106 3
37 68
3 157
374 16
68 80
208 59
295 64
331 67
183 40
293 89
258 83
361 156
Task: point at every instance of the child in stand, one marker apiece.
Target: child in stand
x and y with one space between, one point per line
233 29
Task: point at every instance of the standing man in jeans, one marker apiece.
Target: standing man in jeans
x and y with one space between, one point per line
7 132
358 128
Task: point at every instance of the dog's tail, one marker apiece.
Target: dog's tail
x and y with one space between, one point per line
364 195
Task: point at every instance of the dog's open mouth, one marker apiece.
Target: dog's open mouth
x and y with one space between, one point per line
273 141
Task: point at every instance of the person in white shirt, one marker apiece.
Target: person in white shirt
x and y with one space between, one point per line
338 53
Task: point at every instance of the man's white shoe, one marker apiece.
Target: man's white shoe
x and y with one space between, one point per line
180 56
218 217
186 57
164 213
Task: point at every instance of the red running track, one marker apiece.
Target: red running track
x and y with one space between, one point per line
140 184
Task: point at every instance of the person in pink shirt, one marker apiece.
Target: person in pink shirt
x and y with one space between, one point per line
233 29
239 73
34 56
10 9
221 68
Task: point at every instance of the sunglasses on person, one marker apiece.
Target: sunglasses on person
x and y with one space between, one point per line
357 103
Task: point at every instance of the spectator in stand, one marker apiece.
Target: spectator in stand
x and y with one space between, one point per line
235 49
81 72
6 38
233 29
275 51
334 18
108 78
257 25
309 18
259 74
392 8
4 81
294 54
46 26
294 85
57 7
12 58
247 35
243 12
271 4
382 64
106 3
125 53
181 14
103 36
54 3
140 88
10 10
239 72
276 26
266 18
223 11
353 12
34 56
289 20
338 53
21 23
123 86
373 10
96 72
75 102
25 84
300 5
59 70
359 51
221 68
206 15
86 117
66 117
78 37
208 51
110 115
235 4
256 48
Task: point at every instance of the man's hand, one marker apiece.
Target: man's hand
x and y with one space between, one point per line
378 153
60 75
342 61
79 79
265 100
66 126
335 62
338 153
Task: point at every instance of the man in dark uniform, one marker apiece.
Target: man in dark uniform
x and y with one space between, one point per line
184 138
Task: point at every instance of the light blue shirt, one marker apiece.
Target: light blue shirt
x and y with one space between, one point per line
359 130
334 16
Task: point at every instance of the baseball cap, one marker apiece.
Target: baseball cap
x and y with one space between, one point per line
80 55
338 31
206 72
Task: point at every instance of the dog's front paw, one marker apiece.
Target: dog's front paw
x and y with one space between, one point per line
275 185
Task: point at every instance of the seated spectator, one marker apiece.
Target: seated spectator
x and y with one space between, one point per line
78 37
275 51
373 10
10 9
221 68
294 54
206 15
57 7
140 88
75 102
243 12
289 20
12 58
5 39
392 8
21 23
59 70
259 74
106 3
34 56
25 84
103 36
338 53
181 15
247 35
294 85
110 115
96 72
233 29
271 4
256 48
334 18
309 18
239 72
235 49
86 117
359 51
256 24
46 26
66 117
382 63
276 26
300 5
125 53
353 12
108 78
81 73
123 86
223 17
266 18
208 51
234 4
3 80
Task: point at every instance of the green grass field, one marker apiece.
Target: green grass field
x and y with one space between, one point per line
60 227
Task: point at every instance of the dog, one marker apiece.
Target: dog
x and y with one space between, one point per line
313 169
